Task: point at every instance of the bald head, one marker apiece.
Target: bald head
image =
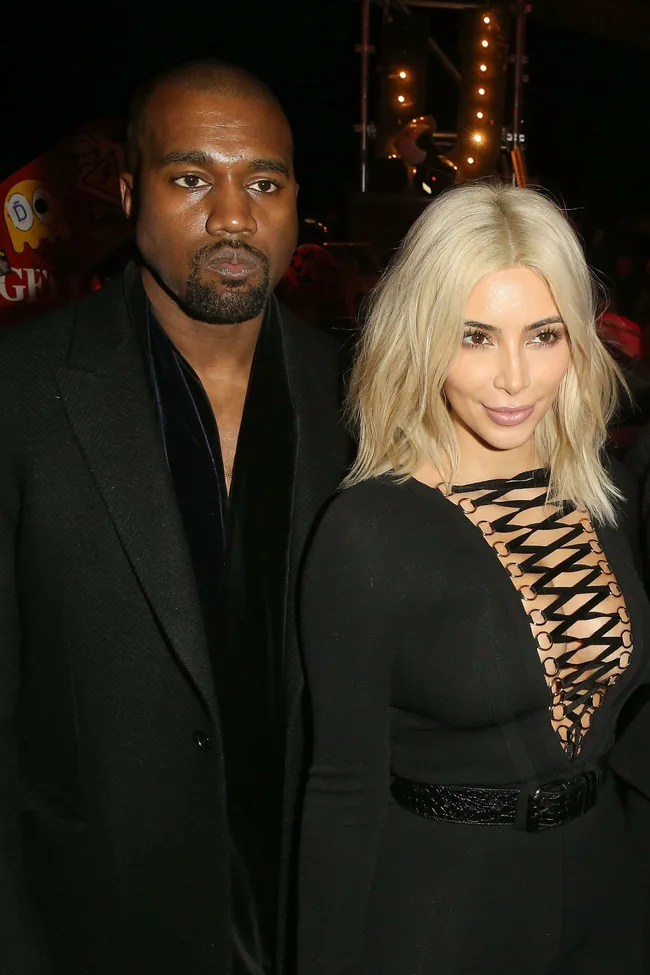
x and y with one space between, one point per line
211 75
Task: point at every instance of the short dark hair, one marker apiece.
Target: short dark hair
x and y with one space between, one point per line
208 74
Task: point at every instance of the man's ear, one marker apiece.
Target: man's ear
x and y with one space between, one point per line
126 192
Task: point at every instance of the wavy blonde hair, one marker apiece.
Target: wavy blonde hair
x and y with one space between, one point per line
415 327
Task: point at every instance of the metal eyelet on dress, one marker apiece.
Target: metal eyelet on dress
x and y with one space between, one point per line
544 640
485 527
467 505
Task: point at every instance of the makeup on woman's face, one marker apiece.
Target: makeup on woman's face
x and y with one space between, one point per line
513 356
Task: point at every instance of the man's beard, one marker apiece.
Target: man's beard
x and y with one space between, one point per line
239 302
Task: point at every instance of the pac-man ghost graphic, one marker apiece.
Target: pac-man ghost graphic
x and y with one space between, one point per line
32 215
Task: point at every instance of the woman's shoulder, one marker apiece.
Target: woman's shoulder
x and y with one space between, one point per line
376 508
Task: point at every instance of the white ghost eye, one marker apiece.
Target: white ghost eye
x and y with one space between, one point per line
43 205
20 211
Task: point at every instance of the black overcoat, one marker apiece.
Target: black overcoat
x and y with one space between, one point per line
113 839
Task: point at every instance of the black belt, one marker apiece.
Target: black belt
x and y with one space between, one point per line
532 808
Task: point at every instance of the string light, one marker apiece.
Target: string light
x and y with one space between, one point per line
401 99
481 91
479 114
483 67
486 20
485 43
403 74
478 138
470 160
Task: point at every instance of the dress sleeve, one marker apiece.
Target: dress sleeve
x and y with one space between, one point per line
346 629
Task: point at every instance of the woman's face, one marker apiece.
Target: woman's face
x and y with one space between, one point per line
513 357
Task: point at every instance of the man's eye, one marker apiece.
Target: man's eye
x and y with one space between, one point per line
189 181
265 186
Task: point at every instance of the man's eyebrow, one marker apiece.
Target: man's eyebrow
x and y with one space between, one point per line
179 157
553 320
270 165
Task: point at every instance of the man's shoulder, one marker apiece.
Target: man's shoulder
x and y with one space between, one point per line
308 338
53 328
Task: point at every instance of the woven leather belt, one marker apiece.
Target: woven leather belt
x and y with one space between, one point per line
532 808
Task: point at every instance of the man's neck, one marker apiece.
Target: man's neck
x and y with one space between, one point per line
209 349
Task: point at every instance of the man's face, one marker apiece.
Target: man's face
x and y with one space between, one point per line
215 201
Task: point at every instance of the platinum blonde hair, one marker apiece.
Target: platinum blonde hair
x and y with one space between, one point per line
415 327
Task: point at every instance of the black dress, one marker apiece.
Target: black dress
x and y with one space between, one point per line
479 638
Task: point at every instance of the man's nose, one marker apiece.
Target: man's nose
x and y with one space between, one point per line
230 212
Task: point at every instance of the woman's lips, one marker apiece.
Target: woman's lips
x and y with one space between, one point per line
509 416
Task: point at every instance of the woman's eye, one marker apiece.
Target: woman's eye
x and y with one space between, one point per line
265 185
190 181
475 340
548 337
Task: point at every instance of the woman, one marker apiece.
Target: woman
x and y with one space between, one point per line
473 622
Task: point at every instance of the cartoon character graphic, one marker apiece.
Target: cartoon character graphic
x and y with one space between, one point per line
32 215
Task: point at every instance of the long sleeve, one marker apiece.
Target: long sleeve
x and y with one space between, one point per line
347 647
22 948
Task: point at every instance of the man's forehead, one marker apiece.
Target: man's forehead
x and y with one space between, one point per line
175 112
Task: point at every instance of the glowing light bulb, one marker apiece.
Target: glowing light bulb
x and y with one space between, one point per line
470 160
481 91
479 114
486 20
478 138
485 43
400 99
483 67
402 74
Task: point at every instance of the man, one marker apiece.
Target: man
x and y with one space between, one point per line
165 447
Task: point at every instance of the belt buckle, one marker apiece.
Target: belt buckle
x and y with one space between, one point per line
578 794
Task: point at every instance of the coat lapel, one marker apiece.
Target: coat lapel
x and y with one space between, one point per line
107 394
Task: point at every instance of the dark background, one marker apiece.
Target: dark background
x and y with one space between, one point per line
586 109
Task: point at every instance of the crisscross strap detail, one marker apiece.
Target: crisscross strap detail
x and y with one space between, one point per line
575 607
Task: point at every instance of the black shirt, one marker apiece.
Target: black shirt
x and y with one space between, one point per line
245 639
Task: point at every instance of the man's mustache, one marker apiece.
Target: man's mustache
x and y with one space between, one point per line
210 250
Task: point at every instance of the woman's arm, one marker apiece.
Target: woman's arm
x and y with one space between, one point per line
347 639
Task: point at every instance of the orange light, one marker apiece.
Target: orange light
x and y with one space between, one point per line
485 43
478 138
400 99
481 91
470 160
484 67
486 20
403 74
479 114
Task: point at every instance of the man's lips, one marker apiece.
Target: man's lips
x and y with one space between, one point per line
509 416
233 262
